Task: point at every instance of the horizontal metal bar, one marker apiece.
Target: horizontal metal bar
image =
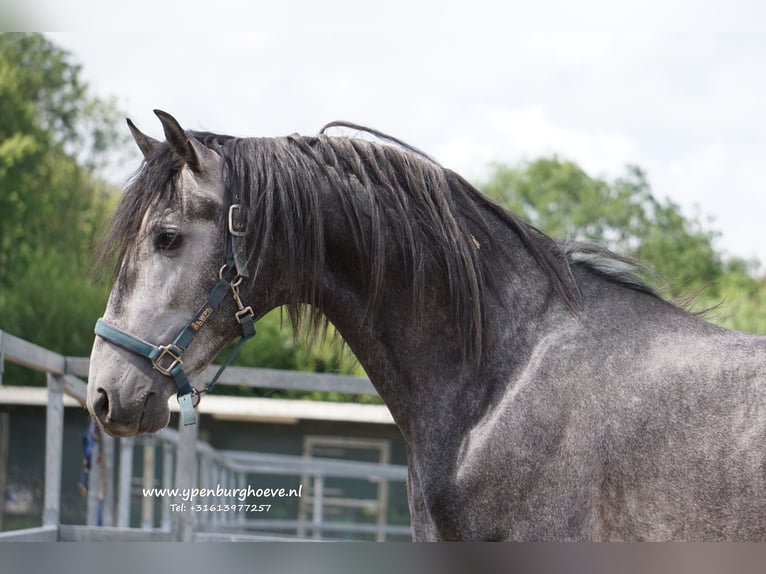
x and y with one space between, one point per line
77 366
292 380
17 350
75 388
76 533
40 534
265 378
28 354
261 463
277 524
247 537
371 504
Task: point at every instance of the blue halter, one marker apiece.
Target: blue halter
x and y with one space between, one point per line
167 358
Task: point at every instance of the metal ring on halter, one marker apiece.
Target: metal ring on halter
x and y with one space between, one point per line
196 393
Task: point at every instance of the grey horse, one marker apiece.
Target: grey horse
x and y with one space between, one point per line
544 392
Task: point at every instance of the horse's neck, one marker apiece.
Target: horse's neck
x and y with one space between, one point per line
414 357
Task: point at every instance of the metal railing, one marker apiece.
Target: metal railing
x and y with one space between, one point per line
184 464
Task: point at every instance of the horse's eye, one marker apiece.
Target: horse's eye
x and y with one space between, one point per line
167 240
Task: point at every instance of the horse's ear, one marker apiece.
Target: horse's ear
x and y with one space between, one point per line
146 144
192 152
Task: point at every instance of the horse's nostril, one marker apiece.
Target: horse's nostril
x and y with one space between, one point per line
101 404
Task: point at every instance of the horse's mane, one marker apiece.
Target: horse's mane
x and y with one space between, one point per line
433 211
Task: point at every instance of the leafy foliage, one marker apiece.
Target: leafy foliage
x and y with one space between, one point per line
558 197
51 202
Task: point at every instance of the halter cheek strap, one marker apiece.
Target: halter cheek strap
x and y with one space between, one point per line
167 359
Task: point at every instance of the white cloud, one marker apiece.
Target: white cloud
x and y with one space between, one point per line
510 135
726 184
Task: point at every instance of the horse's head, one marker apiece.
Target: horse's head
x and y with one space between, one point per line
168 233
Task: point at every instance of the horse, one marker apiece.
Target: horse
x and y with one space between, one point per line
543 390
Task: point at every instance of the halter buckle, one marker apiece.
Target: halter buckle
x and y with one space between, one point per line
236 227
168 351
246 319
245 311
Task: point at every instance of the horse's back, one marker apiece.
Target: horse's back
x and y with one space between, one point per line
683 440
645 430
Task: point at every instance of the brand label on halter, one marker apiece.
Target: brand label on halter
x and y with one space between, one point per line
200 320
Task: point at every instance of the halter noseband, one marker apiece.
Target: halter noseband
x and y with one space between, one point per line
167 358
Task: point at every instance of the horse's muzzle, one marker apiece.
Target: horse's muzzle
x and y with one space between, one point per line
148 413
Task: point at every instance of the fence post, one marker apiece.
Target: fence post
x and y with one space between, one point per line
318 505
2 358
382 509
147 503
54 442
4 447
126 481
242 485
203 481
167 482
94 486
186 471
107 444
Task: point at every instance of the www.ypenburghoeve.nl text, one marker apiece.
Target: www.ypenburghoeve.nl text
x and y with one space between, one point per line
241 494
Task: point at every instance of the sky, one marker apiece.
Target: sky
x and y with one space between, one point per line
675 87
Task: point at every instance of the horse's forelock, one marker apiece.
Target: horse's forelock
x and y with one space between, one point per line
151 187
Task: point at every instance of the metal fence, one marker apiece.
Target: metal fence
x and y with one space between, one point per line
177 462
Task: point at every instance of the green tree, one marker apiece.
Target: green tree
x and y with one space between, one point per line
558 197
738 298
53 138
561 199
